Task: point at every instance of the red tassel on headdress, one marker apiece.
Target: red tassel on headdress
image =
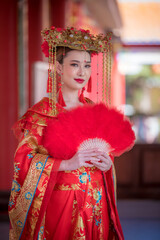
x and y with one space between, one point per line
49 87
49 83
48 90
89 87
81 97
61 99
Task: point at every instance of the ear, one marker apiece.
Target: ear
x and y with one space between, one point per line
59 68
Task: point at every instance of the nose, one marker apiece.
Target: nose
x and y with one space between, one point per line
81 71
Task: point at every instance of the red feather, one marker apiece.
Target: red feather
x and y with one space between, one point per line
63 135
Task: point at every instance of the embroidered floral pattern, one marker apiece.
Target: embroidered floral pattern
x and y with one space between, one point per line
15 186
28 195
16 168
39 165
19 224
11 203
26 132
83 177
97 196
89 206
30 156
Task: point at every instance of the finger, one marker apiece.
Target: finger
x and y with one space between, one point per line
98 164
101 159
106 160
92 150
87 155
105 154
91 159
88 165
105 157
105 165
88 150
102 168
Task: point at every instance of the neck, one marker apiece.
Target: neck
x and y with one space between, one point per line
70 95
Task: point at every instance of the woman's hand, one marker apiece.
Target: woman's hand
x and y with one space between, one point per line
102 161
87 158
81 158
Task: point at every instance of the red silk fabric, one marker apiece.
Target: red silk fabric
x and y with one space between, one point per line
62 205
83 212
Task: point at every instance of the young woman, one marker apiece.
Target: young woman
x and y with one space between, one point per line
61 191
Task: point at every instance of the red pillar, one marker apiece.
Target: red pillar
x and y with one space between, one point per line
57 13
57 18
8 89
34 39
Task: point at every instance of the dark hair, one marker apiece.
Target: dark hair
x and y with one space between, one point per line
62 52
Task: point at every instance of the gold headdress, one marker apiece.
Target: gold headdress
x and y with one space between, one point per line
79 40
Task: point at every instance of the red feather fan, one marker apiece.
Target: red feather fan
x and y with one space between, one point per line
73 129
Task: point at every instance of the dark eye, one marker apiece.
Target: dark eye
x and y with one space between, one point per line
88 66
74 64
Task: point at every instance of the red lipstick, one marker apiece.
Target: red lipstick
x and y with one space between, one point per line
79 80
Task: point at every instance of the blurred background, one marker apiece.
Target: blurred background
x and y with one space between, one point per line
135 89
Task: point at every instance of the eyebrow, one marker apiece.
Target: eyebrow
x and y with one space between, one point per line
79 61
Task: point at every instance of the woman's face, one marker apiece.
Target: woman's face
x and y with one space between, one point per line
76 69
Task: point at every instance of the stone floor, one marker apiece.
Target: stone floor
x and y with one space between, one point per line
140 220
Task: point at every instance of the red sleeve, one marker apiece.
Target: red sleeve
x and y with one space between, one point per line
32 170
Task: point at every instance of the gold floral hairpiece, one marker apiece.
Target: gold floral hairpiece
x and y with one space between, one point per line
76 39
